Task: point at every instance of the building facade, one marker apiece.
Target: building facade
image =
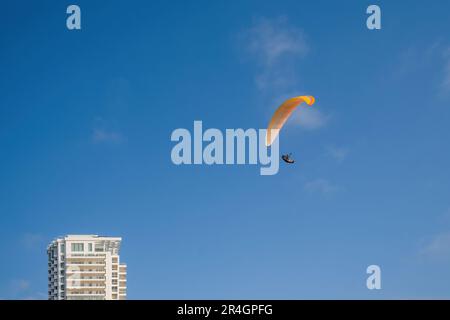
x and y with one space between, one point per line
86 267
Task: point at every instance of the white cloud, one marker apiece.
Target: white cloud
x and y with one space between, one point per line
337 153
103 132
309 118
275 46
447 214
106 136
21 289
438 247
36 296
321 186
32 240
271 40
21 284
419 58
274 80
18 287
446 80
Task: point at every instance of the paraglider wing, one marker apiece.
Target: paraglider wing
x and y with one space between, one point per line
282 114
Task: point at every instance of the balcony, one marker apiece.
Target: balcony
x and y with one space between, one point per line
86 271
99 278
84 287
85 263
85 281
81 289
85 294
86 255
86 297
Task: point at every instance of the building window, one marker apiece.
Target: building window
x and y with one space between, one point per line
77 247
90 247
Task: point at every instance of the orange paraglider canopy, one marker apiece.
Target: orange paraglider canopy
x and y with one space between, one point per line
282 114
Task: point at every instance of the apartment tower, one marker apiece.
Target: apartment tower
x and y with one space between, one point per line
86 267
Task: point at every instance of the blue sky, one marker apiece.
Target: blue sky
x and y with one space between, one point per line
85 124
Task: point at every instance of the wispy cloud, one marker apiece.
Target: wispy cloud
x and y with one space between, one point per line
105 132
446 78
19 285
100 135
437 247
21 289
32 240
36 296
275 45
271 40
320 186
278 47
18 288
421 58
309 118
446 216
337 153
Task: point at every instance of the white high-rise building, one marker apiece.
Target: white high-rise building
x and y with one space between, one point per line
86 267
